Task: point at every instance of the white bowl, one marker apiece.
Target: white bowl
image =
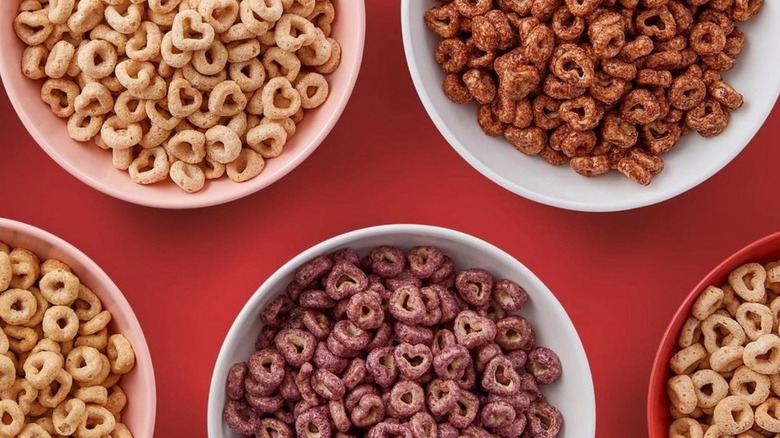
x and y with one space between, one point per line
694 160
572 394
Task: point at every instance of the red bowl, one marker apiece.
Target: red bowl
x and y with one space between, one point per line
658 417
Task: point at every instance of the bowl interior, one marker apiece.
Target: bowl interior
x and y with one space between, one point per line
93 165
573 394
695 159
658 417
139 415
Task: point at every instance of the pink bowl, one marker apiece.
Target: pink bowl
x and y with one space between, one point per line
658 417
93 166
139 415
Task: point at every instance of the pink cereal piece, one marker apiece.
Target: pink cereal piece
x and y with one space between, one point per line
518 358
353 397
520 401
442 339
492 311
294 319
387 429
447 430
468 379
240 417
317 323
324 358
350 335
441 396
423 426
465 410
346 255
381 365
381 337
267 368
313 424
515 333
339 349
339 311
475 286
327 385
288 389
430 298
530 387
345 280
313 270
295 345
544 420
509 295
406 305
266 337
445 271
412 360
386 261
338 415
354 373
365 311
407 398
273 313
316 299
412 334
424 261
497 414
405 278
252 386
265 404
303 382
451 362
235 381
448 304
500 377
271 427
294 291
472 330
485 353
514 429
545 365
369 411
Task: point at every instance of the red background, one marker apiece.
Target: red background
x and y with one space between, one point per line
188 273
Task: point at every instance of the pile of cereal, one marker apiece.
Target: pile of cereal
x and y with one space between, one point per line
601 84
394 345
727 373
190 89
59 367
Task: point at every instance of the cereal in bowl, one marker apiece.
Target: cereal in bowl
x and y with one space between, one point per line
599 84
181 90
60 367
394 344
727 368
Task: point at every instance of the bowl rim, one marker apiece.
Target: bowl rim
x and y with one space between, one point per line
620 205
214 413
660 365
188 201
147 377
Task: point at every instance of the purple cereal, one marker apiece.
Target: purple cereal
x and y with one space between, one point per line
387 261
345 280
312 270
545 365
424 261
235 381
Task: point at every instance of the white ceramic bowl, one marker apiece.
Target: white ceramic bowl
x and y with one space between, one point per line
573 394
694 160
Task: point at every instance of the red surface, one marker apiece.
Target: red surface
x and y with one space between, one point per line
187 274
762 251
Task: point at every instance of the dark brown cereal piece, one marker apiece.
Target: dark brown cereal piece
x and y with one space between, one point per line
444 20
639 166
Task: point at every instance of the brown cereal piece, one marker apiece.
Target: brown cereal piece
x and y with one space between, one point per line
639 166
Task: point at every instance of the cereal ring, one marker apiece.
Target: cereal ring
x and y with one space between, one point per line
753 387
682 393
766 415
84 363
313 89
57 61
544 420
465 410
406 305
290 25
710 388
748 282
190 33
239 417
118 134
733 415
22 393
280 99
712 340
268 139
545 365
313 423
688 359
17 306
120 353
220 14
33 28
42 368
20 339
61 95
500 377
60 323
189 177
99 422
7 373
57 391
763 354
10 410
474 286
